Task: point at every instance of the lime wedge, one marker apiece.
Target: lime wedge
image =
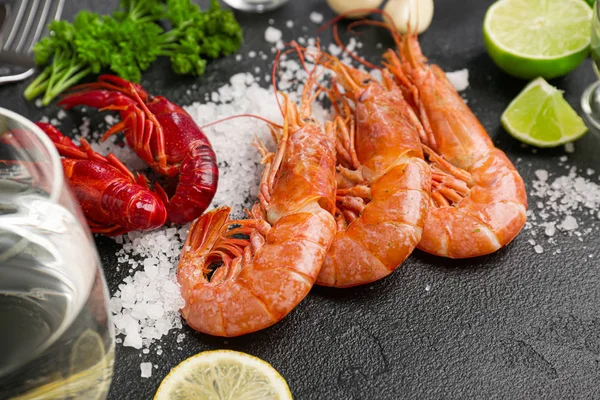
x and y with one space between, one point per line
533 38
540 116
223 375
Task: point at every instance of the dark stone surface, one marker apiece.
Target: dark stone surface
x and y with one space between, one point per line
515 324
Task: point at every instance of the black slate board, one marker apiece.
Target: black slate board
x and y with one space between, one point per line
515 324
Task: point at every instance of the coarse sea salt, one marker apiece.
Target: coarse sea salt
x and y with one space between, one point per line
316 17
146 369
146 305
272 35
459 79
562 205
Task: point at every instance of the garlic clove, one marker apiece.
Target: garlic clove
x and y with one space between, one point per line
344 6
420 13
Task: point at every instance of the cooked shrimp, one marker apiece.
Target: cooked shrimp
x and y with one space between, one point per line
383 181
264 277
478 199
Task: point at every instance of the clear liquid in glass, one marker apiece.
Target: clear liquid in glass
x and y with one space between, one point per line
56 339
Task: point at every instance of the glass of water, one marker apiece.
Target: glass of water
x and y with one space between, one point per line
255 5
56 333
590 100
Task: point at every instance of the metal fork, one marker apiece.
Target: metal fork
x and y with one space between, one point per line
22 24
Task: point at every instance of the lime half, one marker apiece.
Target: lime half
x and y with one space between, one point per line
540 116
533 38
223 375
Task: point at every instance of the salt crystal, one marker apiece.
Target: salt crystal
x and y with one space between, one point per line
538 249
569 147
459 79
61 114
238 57
569 223
542 175
251 54
590 171
550 230
271 21
133 339
289 24
146 369
427 288
38 103
316 17
272 34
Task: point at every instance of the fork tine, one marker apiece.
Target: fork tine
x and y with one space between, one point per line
14 28
26 31
45 18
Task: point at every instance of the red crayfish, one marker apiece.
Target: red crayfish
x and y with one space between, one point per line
114 200
163 135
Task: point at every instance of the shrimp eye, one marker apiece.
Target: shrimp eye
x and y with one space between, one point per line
367 81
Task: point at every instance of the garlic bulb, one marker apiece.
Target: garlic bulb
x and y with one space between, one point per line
420 13
343 6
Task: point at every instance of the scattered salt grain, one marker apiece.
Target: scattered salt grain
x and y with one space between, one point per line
550 229
251 54
459 79
272 35
538 249
427 288
61 114
569 147
238 57
569 223
38 103
560 204
316 17
542 175
146 369
289 24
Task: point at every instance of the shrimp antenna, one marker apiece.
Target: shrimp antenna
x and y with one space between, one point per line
276 63
396 36
274 80
338 41
241 116
320 54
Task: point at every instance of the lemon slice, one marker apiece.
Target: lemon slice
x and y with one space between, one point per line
87 350
532 38
540 116
223 375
